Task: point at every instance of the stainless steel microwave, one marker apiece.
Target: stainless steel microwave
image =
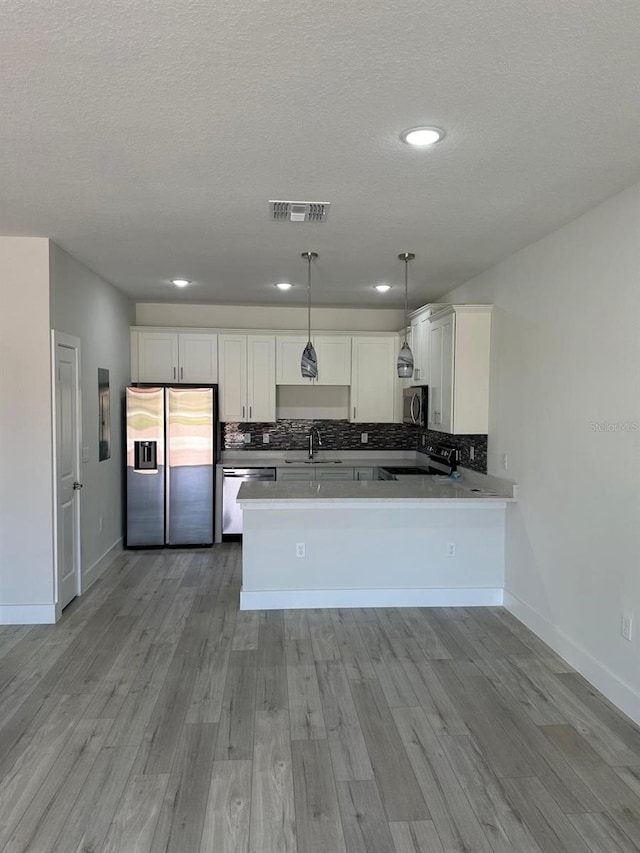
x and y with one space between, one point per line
414 405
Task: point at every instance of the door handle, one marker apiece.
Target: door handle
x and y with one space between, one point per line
77 486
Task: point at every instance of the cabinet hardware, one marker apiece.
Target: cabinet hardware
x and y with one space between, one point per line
174 373
182 373
354 412
250 410
243 411
77 486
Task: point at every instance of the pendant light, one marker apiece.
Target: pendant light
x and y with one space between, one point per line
309 361
405 356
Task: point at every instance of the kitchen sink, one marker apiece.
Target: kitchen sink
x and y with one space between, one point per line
313 461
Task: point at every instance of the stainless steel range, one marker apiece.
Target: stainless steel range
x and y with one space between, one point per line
443 461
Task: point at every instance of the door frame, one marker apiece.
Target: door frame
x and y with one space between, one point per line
60 338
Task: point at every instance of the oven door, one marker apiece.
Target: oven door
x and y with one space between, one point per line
413 406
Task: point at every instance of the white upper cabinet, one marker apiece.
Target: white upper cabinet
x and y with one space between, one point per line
176 357
261 377
288 355
157 357
247 380
198 358
459 352
373 379
334 359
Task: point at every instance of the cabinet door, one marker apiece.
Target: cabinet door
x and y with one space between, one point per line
261 377
198 358
373 379
423 334
446 397
288 354
416 345
337 473
232 377
441 366
364 473
157 357
435 375
284 475
334 359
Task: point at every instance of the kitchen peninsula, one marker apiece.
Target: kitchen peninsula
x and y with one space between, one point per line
417 542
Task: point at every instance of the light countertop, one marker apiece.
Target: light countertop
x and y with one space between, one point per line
415 489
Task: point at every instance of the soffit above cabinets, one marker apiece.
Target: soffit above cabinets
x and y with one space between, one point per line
147 140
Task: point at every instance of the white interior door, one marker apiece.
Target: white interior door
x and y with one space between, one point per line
67 468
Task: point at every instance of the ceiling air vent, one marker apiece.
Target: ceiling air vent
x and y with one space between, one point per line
299 211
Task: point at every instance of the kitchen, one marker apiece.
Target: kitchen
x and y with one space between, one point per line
143 147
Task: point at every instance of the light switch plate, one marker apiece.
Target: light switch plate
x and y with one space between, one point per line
85 454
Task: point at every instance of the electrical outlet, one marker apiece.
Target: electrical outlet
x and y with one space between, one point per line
424 440
246 437
472 453
505 462
364 438
300 549
265 438
626 626
451 549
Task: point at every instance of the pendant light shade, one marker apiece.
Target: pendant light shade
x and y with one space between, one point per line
309 360
405 356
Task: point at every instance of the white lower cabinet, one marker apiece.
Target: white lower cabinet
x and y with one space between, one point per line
364 473
314 472
373 379
247 380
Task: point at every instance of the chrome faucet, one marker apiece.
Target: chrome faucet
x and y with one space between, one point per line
311 447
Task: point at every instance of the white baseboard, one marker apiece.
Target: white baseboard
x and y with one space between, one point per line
27 614
617 691
305 599
93 572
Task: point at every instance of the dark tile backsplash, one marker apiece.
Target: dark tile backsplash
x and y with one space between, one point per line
287 434
462 443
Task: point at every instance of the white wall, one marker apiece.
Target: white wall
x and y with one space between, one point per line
267 317
86 306
566 357
26 525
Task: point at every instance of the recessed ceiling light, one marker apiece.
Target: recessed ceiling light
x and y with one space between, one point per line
284 285
422 136
180 282
382 288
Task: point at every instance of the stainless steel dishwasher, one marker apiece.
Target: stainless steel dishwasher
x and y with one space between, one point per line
233 478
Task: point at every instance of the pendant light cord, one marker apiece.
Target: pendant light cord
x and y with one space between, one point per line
309 296
406 295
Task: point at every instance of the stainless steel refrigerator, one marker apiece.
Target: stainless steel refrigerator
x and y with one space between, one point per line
171 455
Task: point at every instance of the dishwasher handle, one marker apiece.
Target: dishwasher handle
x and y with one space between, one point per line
248 474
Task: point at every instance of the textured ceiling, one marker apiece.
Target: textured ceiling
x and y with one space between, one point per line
147 137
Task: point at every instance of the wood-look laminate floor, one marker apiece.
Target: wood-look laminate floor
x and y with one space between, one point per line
157 717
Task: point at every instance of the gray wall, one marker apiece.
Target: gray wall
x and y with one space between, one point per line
565 408
86 306
26 519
